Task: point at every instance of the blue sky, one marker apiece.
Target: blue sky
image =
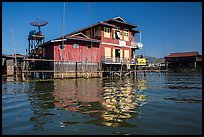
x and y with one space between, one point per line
166 26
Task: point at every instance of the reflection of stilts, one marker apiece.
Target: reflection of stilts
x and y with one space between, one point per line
128 73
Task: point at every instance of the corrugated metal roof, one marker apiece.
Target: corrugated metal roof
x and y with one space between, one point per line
183 54
98 23
83 39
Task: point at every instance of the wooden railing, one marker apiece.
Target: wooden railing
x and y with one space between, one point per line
117 60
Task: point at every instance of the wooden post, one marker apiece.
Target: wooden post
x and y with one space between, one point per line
86 69
76 70
145 71
121 69
135 65
23 74
62 70
159 71
136 71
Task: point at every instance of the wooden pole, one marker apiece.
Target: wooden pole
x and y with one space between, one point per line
121 69
145 71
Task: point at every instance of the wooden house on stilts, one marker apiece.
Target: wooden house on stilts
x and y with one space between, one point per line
104 46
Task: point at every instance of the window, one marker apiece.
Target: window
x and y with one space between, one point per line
119 33
107 52
97 32
126 54
126 35
61 46
76 45
106 32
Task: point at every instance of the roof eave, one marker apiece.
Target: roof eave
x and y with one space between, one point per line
87 40
132 25
98 23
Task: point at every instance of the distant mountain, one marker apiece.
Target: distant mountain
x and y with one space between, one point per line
154 60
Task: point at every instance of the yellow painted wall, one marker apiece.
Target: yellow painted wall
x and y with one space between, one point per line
126 36
107 52
141 61
126 54
106 34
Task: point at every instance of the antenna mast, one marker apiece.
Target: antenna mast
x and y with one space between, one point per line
62 46
15 62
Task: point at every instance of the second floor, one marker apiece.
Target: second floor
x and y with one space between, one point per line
115 31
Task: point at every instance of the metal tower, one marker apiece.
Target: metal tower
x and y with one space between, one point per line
36 38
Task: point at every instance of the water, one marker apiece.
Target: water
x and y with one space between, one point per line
156 104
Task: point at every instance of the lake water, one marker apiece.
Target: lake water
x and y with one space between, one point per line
169 103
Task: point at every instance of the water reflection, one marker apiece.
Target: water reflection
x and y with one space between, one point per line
183 81
41 100
111 102
77 106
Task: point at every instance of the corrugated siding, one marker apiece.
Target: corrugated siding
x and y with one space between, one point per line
80 54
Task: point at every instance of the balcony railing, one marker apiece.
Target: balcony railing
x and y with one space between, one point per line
109 60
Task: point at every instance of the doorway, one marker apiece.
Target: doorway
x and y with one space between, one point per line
117 55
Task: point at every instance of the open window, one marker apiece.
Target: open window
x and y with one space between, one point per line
118 33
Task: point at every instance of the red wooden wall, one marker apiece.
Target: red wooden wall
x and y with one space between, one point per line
80 54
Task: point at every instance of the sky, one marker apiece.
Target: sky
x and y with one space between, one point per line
166 27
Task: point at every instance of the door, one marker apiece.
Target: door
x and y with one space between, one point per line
117 55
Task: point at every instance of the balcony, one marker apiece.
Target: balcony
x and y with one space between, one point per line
109 60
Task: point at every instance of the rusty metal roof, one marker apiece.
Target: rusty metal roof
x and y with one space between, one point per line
183 54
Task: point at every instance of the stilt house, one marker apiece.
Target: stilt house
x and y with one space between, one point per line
101 46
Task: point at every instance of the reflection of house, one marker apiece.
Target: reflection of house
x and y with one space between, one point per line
112 104
77 94
184 61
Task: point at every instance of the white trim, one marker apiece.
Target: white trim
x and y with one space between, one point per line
114 44
119 18
58 40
